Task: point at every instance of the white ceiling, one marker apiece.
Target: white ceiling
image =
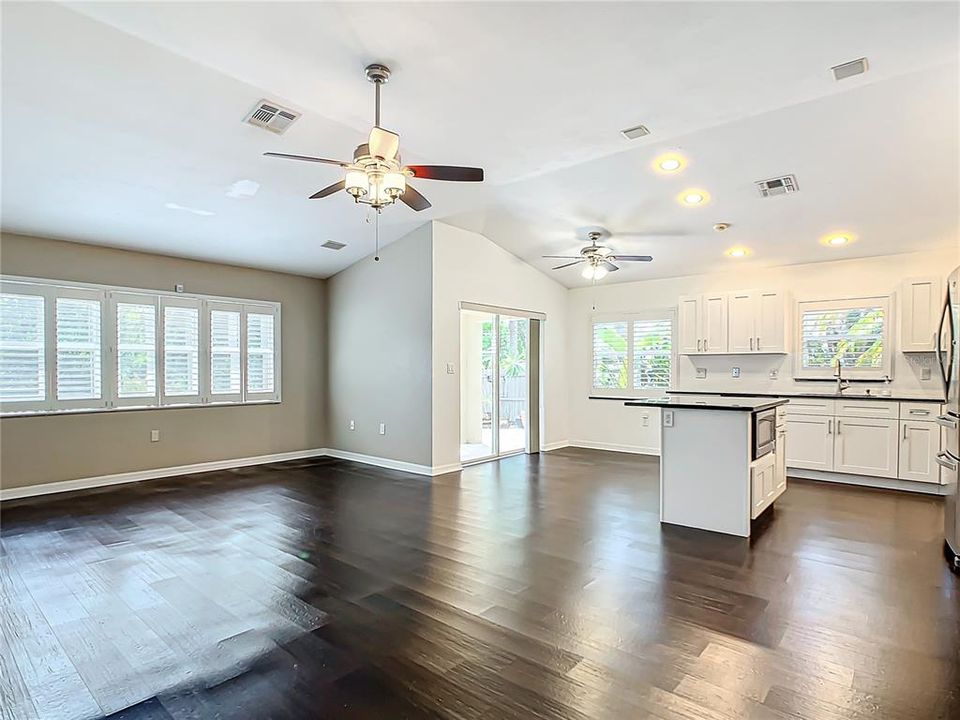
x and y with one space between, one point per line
112 111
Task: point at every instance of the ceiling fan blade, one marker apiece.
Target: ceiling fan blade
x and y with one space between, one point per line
631 258
562 257
447 172
329 190
383 143
609 266
561 267
307 158
414 199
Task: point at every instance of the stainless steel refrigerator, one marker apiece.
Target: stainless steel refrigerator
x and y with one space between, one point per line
948 356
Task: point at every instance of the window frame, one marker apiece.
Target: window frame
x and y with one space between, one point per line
110 296
222 306
629 318
852 373
129 298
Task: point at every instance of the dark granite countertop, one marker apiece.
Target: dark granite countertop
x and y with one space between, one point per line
825 396
709 403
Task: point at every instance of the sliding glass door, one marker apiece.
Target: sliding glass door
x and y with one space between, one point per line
493 385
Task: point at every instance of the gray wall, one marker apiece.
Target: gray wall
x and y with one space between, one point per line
49 448
379 352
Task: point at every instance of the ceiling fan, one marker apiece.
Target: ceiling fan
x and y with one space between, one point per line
599 259
376 176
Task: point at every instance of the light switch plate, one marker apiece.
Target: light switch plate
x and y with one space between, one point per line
701 373
154 436
353 425
451 369
925 373
383 429
735 372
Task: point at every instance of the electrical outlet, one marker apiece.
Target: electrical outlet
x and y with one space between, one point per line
774 374
451 369
154 436
735 372
383 429
668 418
701 373
924 373
178 287
353 425
645 421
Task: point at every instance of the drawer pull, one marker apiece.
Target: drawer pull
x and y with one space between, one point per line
916 411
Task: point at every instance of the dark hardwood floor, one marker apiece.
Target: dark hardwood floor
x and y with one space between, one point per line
538 587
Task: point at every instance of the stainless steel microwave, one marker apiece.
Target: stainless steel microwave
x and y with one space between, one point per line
764 432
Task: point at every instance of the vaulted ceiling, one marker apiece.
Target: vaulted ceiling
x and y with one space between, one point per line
122 120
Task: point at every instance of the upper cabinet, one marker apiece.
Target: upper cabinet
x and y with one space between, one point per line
752 321
920 302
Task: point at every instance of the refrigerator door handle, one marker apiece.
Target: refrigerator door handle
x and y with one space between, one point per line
944 460
948 421
946 317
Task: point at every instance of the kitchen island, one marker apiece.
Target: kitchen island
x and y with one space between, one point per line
721 460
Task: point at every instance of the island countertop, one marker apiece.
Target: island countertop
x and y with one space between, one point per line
743 404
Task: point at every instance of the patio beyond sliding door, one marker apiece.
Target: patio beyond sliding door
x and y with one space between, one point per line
494 393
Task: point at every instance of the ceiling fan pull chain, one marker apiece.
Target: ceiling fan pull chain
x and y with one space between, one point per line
376 253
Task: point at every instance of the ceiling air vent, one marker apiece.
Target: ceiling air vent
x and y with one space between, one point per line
849 69
271 116
334 245
778 186
635 132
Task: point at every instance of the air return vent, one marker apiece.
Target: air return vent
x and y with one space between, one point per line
334 245
271 116
778 186
849 69
635 132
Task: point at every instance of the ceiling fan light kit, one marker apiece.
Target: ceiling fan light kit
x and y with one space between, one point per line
376 176
599 259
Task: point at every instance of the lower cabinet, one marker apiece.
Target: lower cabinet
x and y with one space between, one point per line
762 484
919 443
866 446
780 467
811 442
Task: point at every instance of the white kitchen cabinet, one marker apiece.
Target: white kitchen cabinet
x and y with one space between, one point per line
742 321
762 484
811 442
715 323
771 322
689 339
866 446
919 443
780 464
921 300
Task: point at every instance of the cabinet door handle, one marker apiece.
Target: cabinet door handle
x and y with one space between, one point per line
830 426
904 433
758 342
698 345
838 426
751 343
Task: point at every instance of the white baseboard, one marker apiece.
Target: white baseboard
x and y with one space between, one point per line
635 449
390 464
154 474
547 447
867 481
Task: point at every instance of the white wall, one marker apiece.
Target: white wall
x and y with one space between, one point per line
469 267
607 423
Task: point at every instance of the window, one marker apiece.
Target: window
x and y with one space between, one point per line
851 332
632 353
85 347
136 349
261 352
22 348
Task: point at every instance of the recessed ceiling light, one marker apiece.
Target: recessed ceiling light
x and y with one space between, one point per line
738 252
837 239
693 196
669 162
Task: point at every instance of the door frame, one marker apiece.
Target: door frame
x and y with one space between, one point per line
534 371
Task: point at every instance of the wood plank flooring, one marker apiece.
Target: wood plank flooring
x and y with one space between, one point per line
536 587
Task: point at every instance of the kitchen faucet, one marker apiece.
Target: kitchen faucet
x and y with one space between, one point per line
841 383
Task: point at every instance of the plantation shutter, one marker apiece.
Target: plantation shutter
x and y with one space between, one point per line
181 351
610 353
652 354
261 350
225 352
22 349
136 351
79 355
851 332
